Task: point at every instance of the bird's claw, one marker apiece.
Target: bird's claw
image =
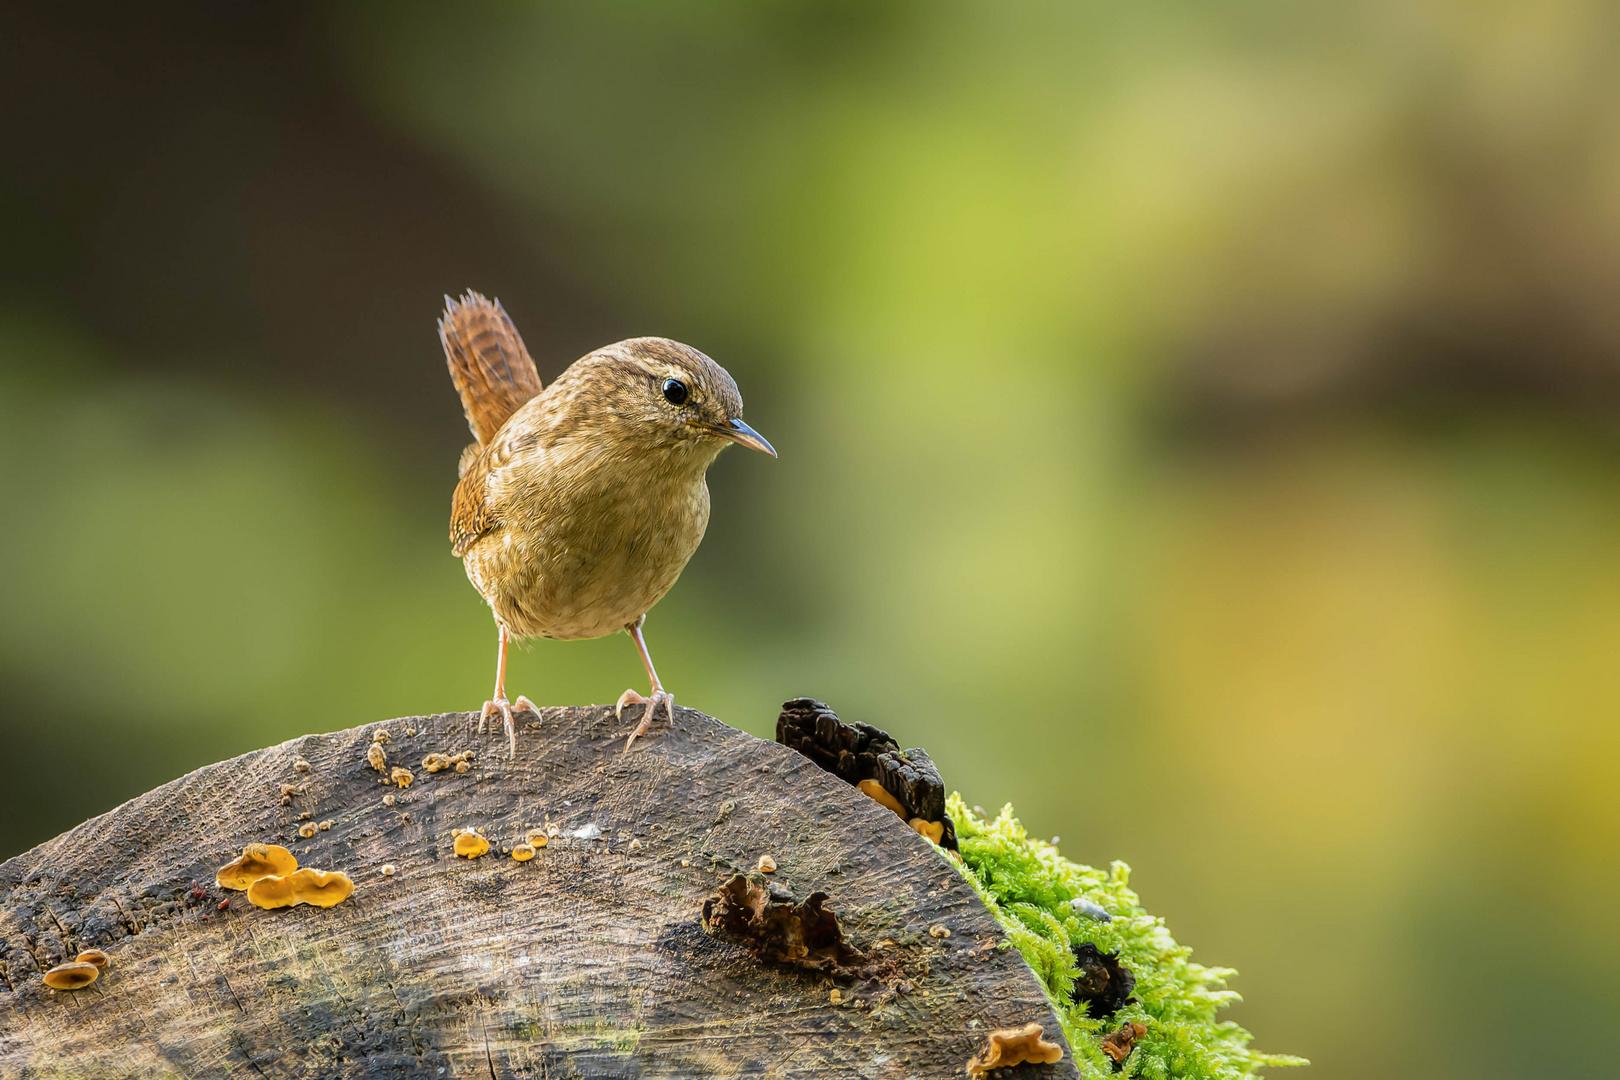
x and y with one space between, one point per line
630 697
504 708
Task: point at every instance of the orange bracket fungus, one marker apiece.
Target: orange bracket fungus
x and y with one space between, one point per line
93 956
522 852
377 758
402 777
257 861
469 845
766 864
1014 1046
435 762
73 976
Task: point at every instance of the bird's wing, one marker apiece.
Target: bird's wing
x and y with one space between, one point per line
471 513
488 363
475 507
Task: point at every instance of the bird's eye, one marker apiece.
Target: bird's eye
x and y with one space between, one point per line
675 392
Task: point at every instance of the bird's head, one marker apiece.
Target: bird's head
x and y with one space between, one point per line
655 392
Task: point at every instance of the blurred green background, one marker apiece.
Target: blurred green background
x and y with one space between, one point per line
1198 426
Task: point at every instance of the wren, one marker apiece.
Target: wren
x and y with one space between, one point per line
581 502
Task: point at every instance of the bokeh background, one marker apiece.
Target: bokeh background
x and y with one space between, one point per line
1198 426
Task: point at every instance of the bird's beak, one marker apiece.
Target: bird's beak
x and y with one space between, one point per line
743 435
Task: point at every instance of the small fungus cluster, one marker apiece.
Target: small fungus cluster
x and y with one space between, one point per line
439 762
270 875
78 973
470 844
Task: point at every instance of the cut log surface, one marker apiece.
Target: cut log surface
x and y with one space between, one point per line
590 960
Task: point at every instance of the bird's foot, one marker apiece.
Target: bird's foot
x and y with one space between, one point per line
505 709
659 697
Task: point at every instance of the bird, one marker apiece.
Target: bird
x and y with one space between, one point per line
579 504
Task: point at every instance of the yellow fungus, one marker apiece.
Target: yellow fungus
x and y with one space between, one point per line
272 892
931 829
71 976
322 888
877 791
257 861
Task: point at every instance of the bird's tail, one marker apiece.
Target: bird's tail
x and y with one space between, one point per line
488 363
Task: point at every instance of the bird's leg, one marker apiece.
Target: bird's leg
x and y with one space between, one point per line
659 695
499 704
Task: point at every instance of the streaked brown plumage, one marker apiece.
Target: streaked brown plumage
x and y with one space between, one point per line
580 503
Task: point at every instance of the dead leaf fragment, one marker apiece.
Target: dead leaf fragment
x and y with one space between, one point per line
1118 1044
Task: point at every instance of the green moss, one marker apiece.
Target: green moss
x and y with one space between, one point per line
1029 885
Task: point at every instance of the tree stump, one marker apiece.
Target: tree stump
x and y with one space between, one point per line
590 960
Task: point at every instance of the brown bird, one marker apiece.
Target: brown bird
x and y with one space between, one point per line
580 503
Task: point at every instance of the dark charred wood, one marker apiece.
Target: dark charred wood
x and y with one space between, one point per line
859 751
766 920
1103 983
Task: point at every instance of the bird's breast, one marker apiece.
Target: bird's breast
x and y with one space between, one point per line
582 552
